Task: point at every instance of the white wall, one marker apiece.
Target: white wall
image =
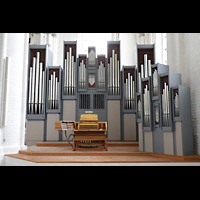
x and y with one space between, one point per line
184 58
15 46
128 44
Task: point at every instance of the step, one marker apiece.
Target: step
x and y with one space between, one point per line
64 143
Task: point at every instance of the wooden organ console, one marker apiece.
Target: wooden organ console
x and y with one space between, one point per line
87 134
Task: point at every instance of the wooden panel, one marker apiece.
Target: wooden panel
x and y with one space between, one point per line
168 143
129 126
69 110
34 130
114 120
52 134
179 138
140 133
148 141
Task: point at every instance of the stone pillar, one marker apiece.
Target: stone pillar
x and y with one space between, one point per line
15 46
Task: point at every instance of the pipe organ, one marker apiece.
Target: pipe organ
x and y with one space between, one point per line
146 99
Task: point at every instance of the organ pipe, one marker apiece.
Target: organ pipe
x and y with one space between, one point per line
176 105
139 109
146 97
155 82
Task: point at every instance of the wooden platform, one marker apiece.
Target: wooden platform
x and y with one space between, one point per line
118 152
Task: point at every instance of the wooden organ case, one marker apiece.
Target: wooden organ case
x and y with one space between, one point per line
87 134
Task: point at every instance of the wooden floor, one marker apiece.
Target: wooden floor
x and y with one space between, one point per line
118 152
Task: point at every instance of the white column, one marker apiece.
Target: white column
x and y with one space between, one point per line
3 42
14 132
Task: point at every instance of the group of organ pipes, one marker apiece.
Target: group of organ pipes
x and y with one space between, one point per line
36 87
53 92
82 75
129 92
70 71
113 75
101 76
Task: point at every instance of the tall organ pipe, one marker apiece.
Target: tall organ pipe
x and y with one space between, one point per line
40 87
30 88
33 86
43 92
37 81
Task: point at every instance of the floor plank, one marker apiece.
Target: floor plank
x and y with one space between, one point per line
118 153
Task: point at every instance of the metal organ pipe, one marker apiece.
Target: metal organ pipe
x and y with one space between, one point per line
40 88
142 71
91 58
146 107
30 88
37 81
33 86
145 66
116 89
176 105
139 109
113 70
42 92
157 115
155 82
149 67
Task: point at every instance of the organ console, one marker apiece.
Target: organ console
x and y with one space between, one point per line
88 133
